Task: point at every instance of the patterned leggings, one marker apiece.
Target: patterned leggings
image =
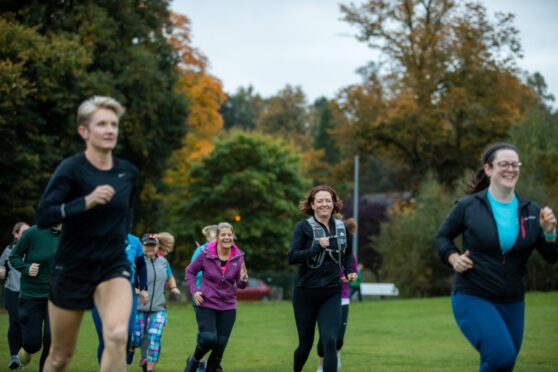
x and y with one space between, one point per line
150 325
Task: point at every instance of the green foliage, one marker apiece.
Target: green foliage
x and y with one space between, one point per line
242 109
55 54
407 243
325 124
251 176
38 79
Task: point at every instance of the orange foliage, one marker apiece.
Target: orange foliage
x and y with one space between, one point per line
205 97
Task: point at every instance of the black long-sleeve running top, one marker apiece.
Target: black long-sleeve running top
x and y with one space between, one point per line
96 236
303 247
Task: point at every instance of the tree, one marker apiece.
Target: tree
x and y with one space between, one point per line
449 84
249 180
38 81
325 125
96 48
407 242
242 108
205 96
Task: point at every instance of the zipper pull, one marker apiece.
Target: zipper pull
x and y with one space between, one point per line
503 259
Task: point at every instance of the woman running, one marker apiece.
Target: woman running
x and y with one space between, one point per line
222 264
500 230
92 194
321 246
151 316
11 296
33 256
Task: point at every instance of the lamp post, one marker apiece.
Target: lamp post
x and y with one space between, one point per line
355 208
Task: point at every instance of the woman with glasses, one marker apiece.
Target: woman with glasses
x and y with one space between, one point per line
500 230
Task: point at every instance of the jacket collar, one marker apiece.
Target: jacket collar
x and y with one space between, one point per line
212 250
482 195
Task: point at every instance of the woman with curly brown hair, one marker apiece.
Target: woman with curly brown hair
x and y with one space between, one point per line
321 246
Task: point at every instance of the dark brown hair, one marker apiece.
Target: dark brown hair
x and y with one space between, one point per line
305 206
479 180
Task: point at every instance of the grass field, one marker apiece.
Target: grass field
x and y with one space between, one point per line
382 335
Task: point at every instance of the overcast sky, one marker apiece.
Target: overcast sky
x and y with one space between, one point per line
271 43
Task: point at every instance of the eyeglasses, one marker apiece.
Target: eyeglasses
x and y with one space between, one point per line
506 164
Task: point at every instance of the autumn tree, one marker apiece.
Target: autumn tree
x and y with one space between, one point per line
447 84
204 121
253 182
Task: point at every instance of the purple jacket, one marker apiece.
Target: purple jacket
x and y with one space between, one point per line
218 290
345 289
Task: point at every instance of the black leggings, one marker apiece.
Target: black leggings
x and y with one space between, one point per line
340 331
215 327
324 306
14 329
35 330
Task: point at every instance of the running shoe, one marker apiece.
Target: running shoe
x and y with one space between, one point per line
14 362
191 364
24 357
143 364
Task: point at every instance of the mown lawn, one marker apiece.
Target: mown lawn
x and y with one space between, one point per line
382 335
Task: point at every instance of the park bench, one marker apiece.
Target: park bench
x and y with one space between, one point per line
379 289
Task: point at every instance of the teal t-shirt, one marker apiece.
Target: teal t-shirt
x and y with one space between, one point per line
507 221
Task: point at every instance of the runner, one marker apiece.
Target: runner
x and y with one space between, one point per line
33 257
321 247
500 230
92 193
152 316
11 296
224 270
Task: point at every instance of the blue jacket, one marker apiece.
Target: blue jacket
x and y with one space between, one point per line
218 290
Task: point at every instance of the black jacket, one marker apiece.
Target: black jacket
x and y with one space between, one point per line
494 276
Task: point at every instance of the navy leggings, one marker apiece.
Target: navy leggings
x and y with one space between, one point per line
214 329
321 305
494 329
14 329
340 331
35 328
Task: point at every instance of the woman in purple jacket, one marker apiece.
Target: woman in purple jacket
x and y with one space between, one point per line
222 264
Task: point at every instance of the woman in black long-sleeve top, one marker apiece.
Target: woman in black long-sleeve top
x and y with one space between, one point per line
321 246
92 194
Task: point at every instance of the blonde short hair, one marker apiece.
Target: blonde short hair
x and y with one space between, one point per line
166 241
210 232
91 105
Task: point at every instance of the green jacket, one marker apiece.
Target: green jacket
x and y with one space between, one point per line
35 246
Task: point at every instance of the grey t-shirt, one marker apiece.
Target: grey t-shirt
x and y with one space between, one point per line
13 276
